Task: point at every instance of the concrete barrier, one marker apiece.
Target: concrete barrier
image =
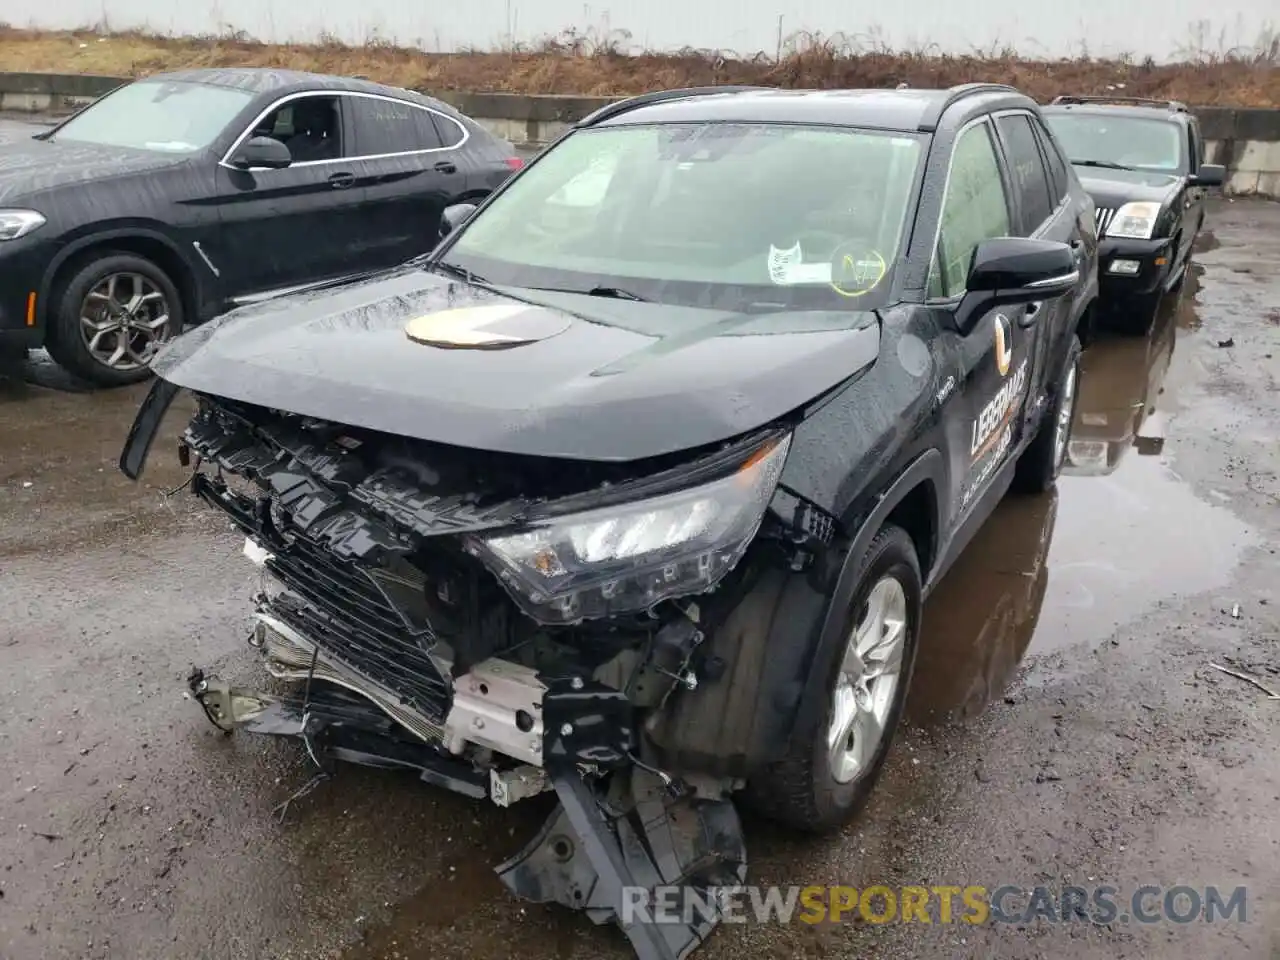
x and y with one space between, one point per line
1246 141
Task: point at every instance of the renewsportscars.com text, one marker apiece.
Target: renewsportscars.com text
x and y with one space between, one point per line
1102 904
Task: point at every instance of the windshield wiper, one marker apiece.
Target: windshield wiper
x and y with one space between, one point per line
612 293
615 293
1105 164
461 273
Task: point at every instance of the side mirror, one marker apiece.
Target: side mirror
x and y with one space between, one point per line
1008 270
1210 175
455 216
265 152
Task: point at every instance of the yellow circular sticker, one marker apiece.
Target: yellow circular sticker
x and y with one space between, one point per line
490 326
856 271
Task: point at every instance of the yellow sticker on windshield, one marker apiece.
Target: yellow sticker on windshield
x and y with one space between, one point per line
857 272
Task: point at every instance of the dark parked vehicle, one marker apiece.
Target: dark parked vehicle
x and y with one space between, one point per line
1142 161
172 197
632 489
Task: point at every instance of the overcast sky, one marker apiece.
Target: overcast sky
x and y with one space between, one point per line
1037 27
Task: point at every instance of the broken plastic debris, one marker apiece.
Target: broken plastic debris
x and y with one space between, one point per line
1229 342
1235 612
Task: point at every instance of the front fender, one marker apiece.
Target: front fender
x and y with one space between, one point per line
125 230
928 469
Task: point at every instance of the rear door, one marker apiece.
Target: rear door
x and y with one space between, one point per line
282 228
1043 211
410 167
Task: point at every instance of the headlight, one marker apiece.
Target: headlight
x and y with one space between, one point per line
18 223
1134 221
629 557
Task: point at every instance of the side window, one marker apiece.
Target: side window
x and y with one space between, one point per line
1196 146
1030 184
311 127
391 126
975 209
448 129
1059 182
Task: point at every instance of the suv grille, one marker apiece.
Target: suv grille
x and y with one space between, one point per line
353 622
1102 217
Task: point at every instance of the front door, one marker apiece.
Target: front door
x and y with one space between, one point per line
1043 209
282 228
993 349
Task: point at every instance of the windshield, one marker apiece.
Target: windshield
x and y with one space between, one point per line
156 115
733 216
1137 143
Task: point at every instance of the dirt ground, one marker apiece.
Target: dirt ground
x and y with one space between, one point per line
590 65
1065 724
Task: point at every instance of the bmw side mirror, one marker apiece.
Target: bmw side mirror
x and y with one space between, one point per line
1009 270
455 216
1210 175
262 152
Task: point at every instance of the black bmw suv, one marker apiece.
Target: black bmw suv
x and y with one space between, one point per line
1142 161
633 488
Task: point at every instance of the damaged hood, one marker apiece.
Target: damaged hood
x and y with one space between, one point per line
415 354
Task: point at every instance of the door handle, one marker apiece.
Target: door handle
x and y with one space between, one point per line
340 181
446 166
1029 315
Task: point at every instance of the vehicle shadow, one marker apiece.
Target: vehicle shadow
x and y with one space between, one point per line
37 369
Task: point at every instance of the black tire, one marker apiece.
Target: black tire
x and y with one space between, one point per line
1041 463
67 345
800 791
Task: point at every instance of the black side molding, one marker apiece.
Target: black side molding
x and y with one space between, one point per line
145 427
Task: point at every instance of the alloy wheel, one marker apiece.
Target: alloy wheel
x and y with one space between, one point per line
865 689
123 321
1066 410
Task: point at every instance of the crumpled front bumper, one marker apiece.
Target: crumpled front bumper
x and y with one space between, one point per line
619 841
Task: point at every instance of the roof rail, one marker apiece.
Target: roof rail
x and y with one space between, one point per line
1174 105
611 110
933 115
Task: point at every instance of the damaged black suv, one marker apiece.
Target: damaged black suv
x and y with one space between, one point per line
631 490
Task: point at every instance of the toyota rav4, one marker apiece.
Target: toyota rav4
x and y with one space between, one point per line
631 490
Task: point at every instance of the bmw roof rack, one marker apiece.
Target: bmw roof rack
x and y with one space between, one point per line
610 110
933 115
1174 105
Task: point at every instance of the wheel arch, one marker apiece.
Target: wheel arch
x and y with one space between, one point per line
912 501
777 637
144 242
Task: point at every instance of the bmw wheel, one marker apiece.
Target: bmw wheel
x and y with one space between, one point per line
113 314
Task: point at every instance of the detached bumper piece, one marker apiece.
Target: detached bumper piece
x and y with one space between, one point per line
336 725
615 864
621 839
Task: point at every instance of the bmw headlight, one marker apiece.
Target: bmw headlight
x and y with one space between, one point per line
1134 221
629 557
18 223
